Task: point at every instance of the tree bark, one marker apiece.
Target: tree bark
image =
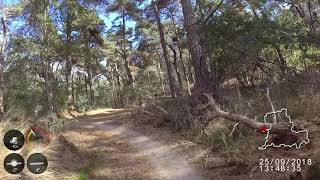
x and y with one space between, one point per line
119 84
183 67
281 61
2 56
160 76
73 89
68 61
178 44
113 90
165 51
124 50
202 75
175 64
91 91
86 85
250 123
46 67
190 69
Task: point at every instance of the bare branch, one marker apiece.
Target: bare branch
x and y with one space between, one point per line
212 12
274 117
250 123
161 109
233 129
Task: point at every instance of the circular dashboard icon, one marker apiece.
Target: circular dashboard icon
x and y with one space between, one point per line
37 137
13 140
37 163
13 163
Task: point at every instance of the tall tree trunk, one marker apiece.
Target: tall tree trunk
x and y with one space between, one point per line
281 61
160 76
119 84
73 89
91 92
1 87
202 75
165 51
178 44
2 57
113 90
124 50
190 69
78 87
175 64
183 67
46 68
68 60
68 83
86 86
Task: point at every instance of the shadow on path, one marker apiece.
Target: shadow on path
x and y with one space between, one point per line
116 152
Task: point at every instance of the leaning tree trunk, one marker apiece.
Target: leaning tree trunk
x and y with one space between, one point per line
68 60
124 50
274 128
119 92
73 89
114 98
178 44
68 82
202 75
2 55
183 67
91 91
175 64
281 61
160 76
1 86
46 68
165 51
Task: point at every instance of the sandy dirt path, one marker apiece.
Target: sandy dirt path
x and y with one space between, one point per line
116 152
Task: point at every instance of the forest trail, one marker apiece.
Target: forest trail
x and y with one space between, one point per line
116 152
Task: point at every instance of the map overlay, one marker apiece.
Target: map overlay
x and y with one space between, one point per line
283 118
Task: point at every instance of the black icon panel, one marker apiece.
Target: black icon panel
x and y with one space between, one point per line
37 163
13 140
14 163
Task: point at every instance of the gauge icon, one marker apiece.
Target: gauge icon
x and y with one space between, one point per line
13 163
37 137
37 163
13 140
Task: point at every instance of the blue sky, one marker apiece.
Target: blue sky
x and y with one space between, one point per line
10 2
106 18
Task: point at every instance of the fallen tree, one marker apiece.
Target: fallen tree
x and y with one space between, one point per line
280 129
202 108
152 112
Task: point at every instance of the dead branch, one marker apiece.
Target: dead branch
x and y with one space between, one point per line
274 116
233 129
161 109
250 123
206 162
150 113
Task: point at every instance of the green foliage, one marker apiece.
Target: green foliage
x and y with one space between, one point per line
82 104
82 175
57 38
222 135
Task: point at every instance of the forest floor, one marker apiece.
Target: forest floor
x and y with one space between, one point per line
116 152
109 144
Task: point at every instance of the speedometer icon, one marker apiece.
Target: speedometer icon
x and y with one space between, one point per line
37 137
